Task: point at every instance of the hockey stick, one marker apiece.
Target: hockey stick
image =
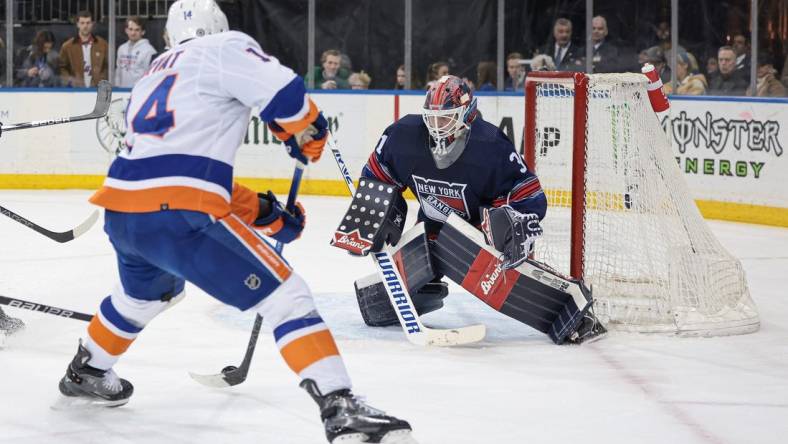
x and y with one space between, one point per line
398 294
63 236
103 99
232 375
41 308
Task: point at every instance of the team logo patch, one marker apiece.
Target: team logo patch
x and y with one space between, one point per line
439 199
252 281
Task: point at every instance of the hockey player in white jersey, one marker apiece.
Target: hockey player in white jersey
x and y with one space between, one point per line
173 213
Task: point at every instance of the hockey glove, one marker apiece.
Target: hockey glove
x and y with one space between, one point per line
510 232
306 144
276 222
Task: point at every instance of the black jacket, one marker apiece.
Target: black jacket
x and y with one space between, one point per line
573 59
734 84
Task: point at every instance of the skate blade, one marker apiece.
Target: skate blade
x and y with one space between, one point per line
393 437
81 403
398 437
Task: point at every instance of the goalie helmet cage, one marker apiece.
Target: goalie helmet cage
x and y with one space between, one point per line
621 215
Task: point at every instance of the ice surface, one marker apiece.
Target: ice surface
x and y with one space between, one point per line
515 387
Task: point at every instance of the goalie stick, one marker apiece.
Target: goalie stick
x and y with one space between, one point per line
398 294
103 99
63 236
232 375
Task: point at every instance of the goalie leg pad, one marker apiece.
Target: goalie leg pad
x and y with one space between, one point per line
529 293
376 217
412 257
376 309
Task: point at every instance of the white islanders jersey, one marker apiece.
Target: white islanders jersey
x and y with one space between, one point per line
187 117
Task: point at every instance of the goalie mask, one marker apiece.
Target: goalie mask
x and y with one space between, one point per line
188 19
449 110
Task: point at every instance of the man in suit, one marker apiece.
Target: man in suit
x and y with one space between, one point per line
606 54
566 55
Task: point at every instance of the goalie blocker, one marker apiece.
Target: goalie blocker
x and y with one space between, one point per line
376 217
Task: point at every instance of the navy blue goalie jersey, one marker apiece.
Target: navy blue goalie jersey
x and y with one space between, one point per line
488 173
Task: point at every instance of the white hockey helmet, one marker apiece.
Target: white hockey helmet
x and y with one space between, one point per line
188 19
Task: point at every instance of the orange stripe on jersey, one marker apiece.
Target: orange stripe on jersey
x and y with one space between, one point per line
245 203
110 342
267 255
305 351
161 198
296 126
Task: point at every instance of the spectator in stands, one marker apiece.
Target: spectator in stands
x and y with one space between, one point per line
567 57
728 81
329 75
656 57
400 83
742 50
515 71
606 54
690 80
39 63
767 84
662 34
359 80
401 77
83 58
435 71
134 56
486 76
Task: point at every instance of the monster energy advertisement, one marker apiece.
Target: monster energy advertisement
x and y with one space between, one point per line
731 147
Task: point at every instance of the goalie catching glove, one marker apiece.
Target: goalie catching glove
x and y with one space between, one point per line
510 232
307 143
276 222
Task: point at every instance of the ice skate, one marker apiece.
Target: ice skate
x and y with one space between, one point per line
348 420
85 386
589 330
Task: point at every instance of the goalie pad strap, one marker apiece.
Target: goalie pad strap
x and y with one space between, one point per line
528 293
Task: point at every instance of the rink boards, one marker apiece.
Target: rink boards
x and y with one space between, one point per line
731 150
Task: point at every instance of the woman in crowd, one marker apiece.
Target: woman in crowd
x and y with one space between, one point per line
690 81
39 67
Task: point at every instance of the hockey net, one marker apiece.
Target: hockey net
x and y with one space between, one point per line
620 214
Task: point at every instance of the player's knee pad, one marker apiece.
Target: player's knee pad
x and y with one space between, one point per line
412 256
291 300
139 311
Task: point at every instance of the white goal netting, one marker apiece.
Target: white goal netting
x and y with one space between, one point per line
647 253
